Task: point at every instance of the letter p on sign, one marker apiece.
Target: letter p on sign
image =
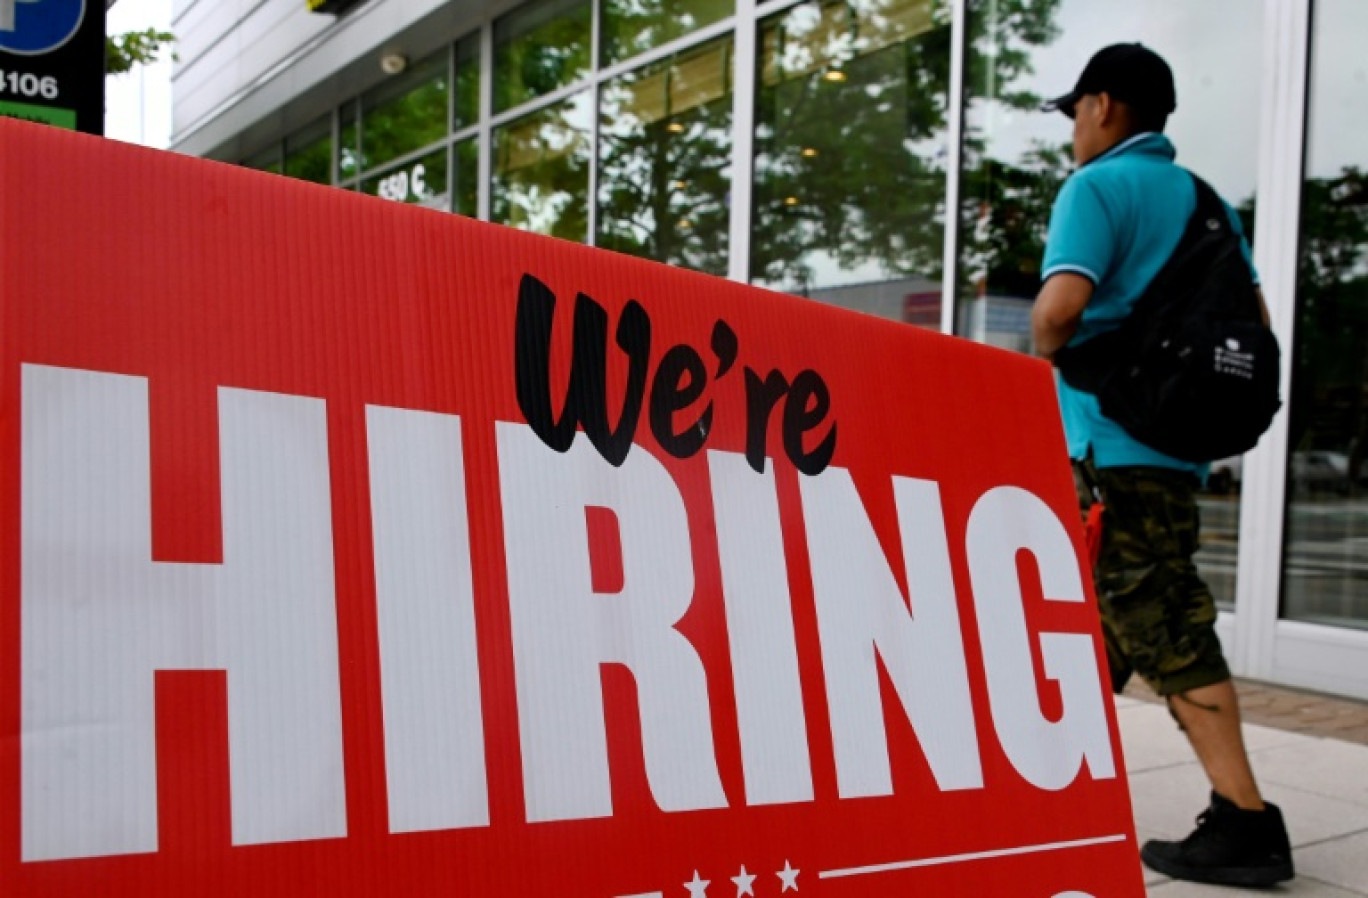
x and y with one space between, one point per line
40 29
7 13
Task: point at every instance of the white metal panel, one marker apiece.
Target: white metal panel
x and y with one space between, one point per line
255 43
202 26
959 40
198 26
1286 29
275 21
221 66
743 141
182 8
1328 659
484 200
302 52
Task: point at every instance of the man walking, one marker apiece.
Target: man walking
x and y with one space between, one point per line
1115 223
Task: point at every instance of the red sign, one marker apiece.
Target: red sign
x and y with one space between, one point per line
353 549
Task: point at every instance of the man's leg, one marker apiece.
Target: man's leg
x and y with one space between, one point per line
1210 716
1240 840
1164 617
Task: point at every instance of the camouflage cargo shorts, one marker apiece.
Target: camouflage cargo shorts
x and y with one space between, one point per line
1158 615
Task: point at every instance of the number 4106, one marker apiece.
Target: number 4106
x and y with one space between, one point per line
28 84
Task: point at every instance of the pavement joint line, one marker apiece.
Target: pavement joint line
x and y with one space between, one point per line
1324 882
1171 766
1328 839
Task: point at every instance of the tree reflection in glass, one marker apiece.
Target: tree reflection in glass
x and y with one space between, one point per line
665 160
422 182
1015 157
630 27
308 152
466 178
540 48
1325 566
267 160
465 83
406 113
850 149
541 171
349 138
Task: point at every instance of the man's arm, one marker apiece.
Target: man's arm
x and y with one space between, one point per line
1057 311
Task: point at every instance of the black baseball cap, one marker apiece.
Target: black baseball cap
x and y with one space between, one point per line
1131 73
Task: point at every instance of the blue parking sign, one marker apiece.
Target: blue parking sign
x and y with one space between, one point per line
35 27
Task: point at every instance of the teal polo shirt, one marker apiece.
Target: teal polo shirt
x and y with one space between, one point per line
1116 221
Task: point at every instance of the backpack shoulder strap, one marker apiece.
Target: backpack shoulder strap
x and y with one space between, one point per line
1087 364
1210 207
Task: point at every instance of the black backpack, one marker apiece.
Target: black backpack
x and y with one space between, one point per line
1193 370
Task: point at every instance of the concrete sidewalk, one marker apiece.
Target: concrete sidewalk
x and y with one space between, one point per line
1320 783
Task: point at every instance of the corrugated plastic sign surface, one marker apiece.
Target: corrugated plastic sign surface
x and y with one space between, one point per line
352 549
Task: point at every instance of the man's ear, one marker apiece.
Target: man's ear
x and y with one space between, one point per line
1107 109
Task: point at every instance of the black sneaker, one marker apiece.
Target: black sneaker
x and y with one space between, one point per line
1230 847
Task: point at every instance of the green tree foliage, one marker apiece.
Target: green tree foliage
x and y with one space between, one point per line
1005 218
394 125
1330 371
1005 206
849 140
310 158
635 26
665 154
549 47
124 51
852 137
541 172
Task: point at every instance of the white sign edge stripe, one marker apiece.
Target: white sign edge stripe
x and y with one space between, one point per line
645 895
972 856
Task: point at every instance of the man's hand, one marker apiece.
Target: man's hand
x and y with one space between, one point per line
1058 310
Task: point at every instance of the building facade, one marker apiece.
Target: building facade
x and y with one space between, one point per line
882 155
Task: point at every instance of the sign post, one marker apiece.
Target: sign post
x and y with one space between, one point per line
440 558
52 62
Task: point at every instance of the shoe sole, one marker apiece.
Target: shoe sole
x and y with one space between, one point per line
1222 876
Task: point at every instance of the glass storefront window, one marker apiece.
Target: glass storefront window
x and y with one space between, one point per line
540 48
423 183
850 154
541 170
465 81
268 160
1015 158
1325 564
665 160
465 193
405 113
349 137
308 152
629 27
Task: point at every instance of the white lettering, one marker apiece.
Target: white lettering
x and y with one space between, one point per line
1005 521
764 655
861 612
563 630
425 606
99 617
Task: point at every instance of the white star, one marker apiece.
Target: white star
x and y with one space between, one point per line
745 883
699 887
789 877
